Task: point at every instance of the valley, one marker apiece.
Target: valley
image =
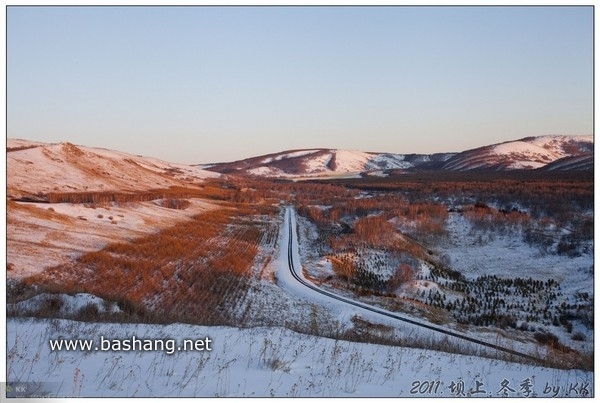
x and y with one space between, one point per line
378 270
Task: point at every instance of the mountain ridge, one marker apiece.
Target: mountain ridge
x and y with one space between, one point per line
525 153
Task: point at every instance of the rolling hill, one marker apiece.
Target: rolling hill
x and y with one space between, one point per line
35 168
575 152
527 153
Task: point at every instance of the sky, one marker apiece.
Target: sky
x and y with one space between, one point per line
210 84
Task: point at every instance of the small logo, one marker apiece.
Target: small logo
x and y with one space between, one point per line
31 389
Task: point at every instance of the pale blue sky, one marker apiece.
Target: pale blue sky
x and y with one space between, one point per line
207 84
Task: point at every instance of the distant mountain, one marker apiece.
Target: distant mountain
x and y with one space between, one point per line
323 162
36 168
527 153
544 152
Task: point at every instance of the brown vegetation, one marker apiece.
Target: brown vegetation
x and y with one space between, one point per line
198 271
20 148
549 193
403 274
351 224
121 197
195 272
177 204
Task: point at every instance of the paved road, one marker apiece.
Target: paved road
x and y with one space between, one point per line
447 332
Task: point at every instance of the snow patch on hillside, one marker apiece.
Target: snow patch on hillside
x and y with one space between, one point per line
42 235
389 161
351 161
265 171
558 141
522 148
316 164
538 151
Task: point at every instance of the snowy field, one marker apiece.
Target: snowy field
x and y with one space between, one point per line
508 256
261 362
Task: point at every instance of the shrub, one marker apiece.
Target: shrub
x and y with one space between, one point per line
51 306
568 247
177 204
507 321
404 274
546 338
89 312
569 327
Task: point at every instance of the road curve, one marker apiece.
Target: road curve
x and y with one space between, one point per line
380 311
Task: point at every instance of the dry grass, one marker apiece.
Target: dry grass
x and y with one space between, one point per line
33 211
195 271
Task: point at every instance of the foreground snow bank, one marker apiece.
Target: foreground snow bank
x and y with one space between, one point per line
260 362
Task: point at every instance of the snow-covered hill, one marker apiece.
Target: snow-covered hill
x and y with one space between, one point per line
34 167
41 234
322 162
527 153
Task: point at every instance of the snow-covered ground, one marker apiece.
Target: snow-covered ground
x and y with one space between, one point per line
509 256
41 235
66 305
476 254
261 362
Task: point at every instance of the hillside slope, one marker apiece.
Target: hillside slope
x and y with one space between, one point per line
34 168
322 162
42 234
527 153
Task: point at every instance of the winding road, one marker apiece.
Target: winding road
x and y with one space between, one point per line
292 250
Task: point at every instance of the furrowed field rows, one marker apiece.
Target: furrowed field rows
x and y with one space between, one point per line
197 271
